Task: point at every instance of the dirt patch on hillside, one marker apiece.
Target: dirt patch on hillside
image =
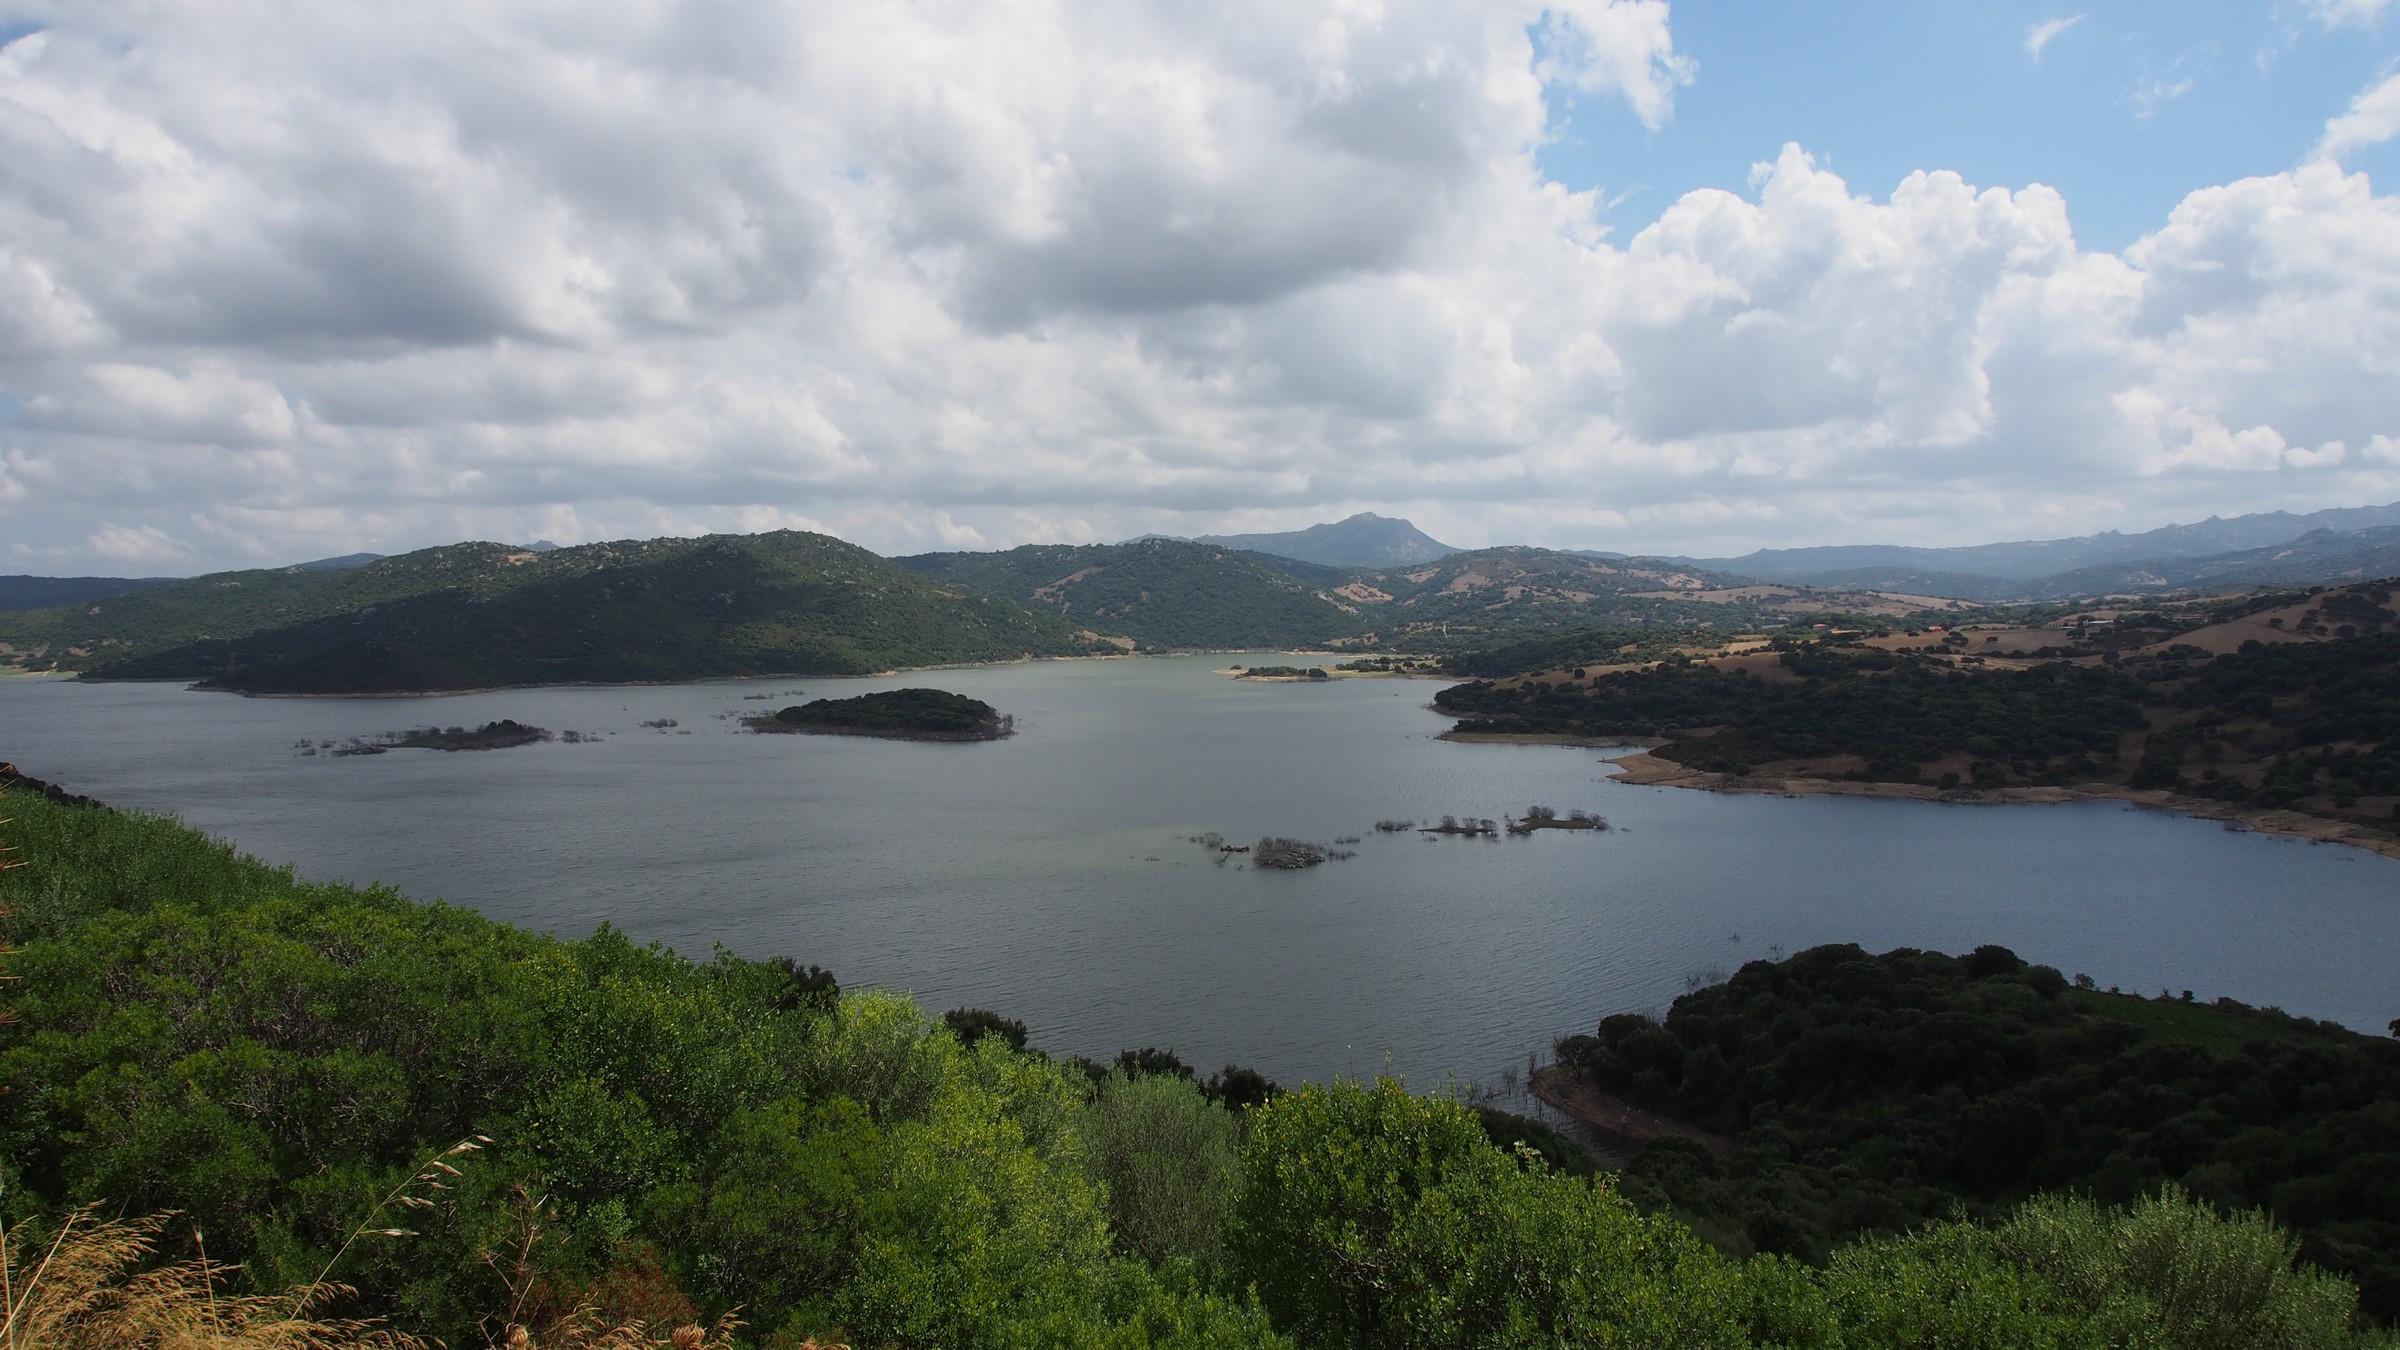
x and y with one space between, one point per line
1610 1114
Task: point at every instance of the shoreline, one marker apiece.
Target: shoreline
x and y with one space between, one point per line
1644 769
1563 1089
195 686
78 677
1637 743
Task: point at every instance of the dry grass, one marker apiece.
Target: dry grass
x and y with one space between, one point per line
579 1326
95 1284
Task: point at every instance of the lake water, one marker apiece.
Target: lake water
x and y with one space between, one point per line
1051 877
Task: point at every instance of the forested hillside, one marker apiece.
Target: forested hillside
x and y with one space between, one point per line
2318 558
1159 592
478 615
23 592
1872 1093
362 1107
2308 722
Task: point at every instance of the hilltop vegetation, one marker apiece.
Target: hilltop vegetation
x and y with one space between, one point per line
479 615
664 1140
2309 722
482 615
23 592
1873 1093
1162 593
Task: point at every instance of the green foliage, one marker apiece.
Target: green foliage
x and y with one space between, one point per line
2309 726
1159 592
2322 719
1165 1153
1580 647
198 1032
1367 1216
1874 1092
1896 716
2170 1271
973 1024
478 615
923 714
195 1031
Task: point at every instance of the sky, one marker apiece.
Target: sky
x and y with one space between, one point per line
281 280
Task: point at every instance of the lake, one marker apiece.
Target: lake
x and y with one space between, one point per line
1051 876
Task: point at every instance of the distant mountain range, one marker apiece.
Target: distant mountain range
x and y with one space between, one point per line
1898 567
43 592
30 592
2318 558
1363 540
341 564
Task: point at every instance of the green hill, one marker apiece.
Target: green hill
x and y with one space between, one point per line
2304 717
1363 540
1467 601
23 592
1880 1092
1158 592
478 615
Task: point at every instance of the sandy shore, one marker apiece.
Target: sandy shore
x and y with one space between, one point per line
1610 1114
1547 738
1649 770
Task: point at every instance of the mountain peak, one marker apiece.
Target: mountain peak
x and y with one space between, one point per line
1362 540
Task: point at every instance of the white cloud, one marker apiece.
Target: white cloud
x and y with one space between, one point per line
1616 46
947 274
2372 119
2153 92
145 544
2155 88
2038 37
2346 13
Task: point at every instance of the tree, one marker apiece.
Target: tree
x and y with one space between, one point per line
1166 1156
1366 1216
1236 1088
973 1024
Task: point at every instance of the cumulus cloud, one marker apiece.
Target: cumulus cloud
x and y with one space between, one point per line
2372 119
2039 36
946 274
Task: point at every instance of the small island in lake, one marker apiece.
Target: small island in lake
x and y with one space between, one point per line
501 735
895 714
